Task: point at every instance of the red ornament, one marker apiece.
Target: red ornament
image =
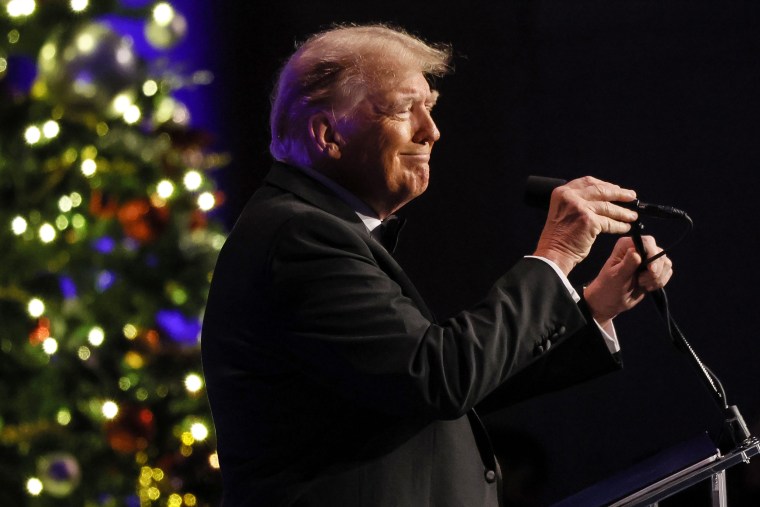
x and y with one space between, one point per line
142 221
131 429
102 206
198 220
41 332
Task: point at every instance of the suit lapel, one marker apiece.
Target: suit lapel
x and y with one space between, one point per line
293 180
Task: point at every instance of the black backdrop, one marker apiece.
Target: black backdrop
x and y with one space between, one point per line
660 96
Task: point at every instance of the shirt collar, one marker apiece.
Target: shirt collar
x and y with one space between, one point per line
365 213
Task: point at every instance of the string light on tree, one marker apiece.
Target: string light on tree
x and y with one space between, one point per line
199 431
19 225
34 486
89 167
79 5
47 233
132 115
35 307
50 346
166 27
65 204
32 134
150 88
206 201
192 180
110 409
193 383
96 336
20 8
50 129
165 189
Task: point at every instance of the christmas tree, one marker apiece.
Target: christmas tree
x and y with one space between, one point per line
106 252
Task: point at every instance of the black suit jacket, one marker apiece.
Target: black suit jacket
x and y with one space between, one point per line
329 382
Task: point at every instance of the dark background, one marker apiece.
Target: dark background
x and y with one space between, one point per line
660 96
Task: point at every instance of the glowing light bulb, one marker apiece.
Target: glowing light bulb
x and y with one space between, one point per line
34 486
150 88
165 189
79 5
85 43
78 221
19 226
193 382
35 307
76 199
89 167
47 233
50 346
132 114
32 135
192 180
61 222
110 409
48 51
50 129
130 332
121 103
206 201
18 8
65 203
199 431
163 13
96 336
83 353
63 417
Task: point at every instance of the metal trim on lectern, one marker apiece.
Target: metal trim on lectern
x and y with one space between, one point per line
665 474
690 476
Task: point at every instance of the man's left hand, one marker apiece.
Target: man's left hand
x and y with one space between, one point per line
620 285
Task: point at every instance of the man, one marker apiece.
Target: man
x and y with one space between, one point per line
329 382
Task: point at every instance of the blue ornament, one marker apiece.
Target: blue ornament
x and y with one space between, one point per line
178 327
67 286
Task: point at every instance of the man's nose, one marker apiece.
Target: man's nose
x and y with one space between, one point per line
427 131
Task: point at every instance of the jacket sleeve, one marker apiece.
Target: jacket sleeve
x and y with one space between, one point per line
352 327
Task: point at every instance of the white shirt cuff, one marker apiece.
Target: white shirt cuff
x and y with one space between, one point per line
608 332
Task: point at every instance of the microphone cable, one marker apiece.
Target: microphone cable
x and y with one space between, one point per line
735 429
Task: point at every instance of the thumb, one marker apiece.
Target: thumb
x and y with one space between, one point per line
630 263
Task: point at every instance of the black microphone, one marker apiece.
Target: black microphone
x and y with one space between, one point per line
538 192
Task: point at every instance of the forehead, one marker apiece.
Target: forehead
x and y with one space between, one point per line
413 86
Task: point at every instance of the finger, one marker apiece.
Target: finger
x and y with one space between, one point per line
629 264
611 226
613 211
650 281
594 189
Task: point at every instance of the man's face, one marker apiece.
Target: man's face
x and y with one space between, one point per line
387 142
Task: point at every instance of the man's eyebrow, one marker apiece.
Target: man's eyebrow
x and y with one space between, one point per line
407 94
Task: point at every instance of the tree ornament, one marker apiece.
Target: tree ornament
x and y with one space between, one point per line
167 32
60 473
131 429
102 205
3 63
141 220
85 67
40 332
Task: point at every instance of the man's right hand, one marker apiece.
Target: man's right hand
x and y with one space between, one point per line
579 211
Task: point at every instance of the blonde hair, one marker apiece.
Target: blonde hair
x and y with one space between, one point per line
334 70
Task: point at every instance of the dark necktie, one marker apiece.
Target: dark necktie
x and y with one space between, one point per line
387 232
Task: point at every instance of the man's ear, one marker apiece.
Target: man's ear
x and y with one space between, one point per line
324 137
